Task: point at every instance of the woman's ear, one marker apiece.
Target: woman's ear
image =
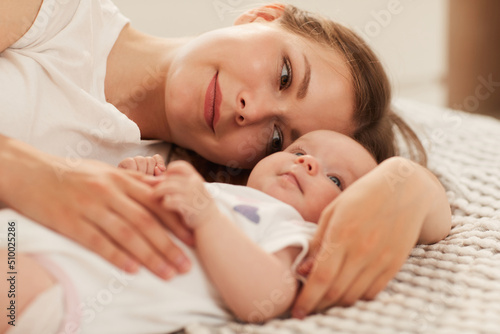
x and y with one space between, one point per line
267 13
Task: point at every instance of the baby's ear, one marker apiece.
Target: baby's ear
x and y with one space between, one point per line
267 13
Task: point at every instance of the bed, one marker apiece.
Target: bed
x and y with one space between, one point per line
449 287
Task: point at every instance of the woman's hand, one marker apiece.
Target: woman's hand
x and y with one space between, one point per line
183 191
108 210
366 234
155 165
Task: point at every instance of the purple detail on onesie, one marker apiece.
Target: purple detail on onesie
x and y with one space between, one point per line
248 211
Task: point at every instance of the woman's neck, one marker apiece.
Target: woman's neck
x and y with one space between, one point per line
135 80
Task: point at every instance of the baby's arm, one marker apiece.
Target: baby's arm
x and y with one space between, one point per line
254 284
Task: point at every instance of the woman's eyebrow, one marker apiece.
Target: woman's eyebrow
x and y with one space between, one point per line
304 85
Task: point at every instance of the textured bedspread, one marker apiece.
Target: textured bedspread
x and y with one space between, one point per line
454 285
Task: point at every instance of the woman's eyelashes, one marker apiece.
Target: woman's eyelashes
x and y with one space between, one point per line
276 143
285 79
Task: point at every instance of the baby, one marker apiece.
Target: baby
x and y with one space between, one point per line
249 238
248 241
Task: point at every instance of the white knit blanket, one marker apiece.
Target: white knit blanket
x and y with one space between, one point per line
450 287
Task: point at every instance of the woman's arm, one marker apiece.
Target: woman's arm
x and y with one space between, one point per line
254 284
106 209
366 234
16 17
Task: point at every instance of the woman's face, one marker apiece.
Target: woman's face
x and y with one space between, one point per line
237 94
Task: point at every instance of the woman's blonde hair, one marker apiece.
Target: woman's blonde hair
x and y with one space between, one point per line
375 122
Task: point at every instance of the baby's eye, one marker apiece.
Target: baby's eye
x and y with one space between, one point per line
298 154
336 181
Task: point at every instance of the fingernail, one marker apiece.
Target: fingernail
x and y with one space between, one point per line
182 264
299 314
165 271
131 266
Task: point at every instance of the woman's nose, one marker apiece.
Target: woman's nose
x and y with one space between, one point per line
309 163
254 110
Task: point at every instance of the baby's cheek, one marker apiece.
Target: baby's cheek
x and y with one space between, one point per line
322 202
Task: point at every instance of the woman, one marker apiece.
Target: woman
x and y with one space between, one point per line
232 95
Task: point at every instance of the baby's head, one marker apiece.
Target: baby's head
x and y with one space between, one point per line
312 171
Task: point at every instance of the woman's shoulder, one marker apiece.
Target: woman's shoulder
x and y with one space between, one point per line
16 18
57 25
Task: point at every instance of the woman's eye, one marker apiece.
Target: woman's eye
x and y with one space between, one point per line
276 143
336 181
286 75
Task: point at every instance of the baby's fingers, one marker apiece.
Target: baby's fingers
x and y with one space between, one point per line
159 162
146 165
128 163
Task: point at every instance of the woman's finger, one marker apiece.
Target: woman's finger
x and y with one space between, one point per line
352 268
365 279
169 219
382 280
130 239
93 238
327 256
305 267
325 268
175 224
153 231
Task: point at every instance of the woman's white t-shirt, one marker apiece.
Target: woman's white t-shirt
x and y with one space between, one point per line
52 84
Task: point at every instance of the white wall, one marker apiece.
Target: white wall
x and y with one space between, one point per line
410 36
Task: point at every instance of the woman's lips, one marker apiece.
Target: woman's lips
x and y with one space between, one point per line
213 99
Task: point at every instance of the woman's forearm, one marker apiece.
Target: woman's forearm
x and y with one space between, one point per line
99 206
255 285
16 160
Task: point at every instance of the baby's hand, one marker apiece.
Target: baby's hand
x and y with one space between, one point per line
148 165
184 192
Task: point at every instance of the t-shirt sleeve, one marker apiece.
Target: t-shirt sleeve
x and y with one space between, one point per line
291 233
72 24
52 17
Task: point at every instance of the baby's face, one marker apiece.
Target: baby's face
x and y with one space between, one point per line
312 171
